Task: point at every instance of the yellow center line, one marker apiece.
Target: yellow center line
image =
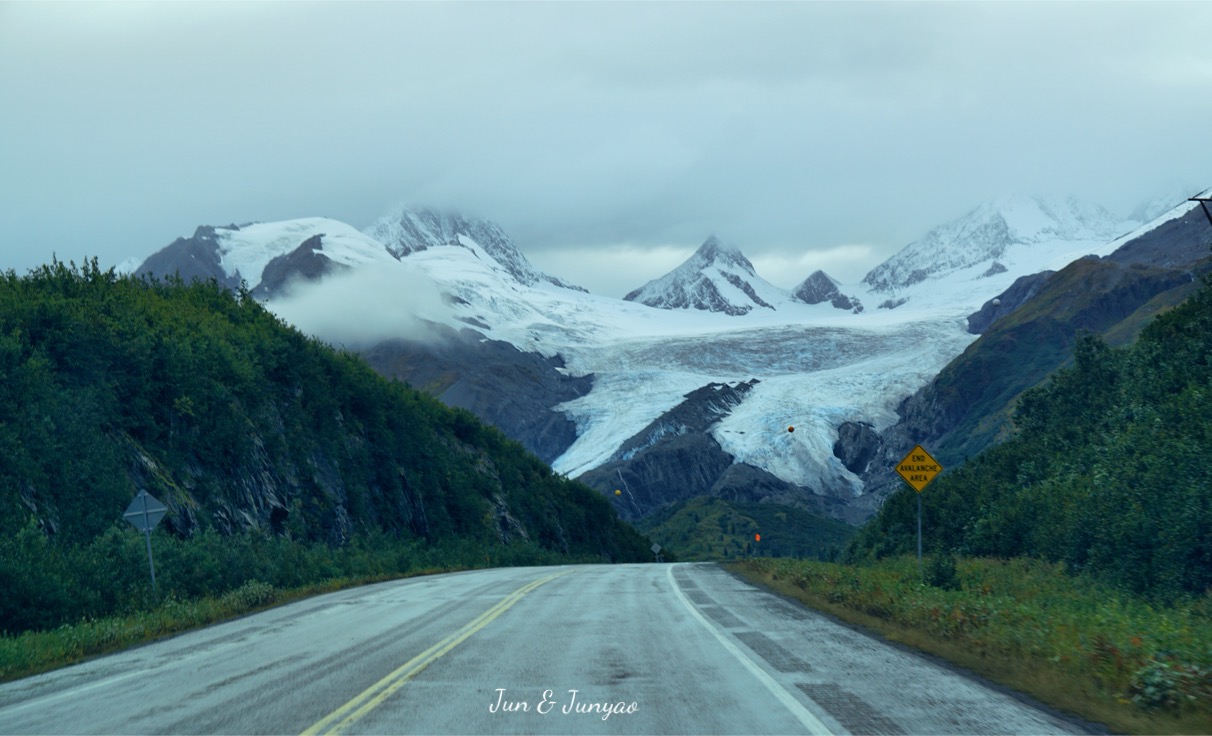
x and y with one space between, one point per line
370 698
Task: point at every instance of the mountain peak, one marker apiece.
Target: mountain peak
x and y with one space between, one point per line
1015 221
717 278
713 251
821 287
404 231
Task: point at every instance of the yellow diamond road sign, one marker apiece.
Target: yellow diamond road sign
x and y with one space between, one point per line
918 468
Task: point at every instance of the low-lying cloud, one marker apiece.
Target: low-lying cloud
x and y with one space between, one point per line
364 306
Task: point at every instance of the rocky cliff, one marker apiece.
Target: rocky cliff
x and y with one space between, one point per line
675 458
514 391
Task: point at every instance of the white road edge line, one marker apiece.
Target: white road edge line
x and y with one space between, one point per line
811 722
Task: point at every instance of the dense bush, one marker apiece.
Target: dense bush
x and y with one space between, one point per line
1109 470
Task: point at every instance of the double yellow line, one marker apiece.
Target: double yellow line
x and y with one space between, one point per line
370 698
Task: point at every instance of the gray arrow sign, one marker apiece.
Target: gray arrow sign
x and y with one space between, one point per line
145 512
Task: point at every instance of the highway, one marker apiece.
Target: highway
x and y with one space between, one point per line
612 649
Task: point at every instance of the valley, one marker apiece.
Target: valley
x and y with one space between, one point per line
855 355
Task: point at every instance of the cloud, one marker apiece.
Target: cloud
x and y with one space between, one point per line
786 126
611 270
364 306
846 263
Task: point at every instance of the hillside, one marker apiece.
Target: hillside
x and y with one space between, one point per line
1107 470
244 429
717 529
1030 329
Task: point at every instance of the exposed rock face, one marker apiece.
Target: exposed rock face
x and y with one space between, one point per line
994 269
196 257
307 262
675 458
857 445
679 467
702 408
691 465
820 287
512 390
1023 288
1177 243
747 289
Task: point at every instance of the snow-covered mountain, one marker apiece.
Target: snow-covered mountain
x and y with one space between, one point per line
1162 202
1027 331
713 320
307 247
998 235
405 231
268 256
717 278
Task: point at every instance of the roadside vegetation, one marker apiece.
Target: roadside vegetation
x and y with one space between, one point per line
716 529
1070 641
1073 561
213 579
1109 470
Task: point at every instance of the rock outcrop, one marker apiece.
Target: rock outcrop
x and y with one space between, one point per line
514 391
194 258
305 263
820 287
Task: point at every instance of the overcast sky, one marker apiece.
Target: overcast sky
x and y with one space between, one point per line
608 139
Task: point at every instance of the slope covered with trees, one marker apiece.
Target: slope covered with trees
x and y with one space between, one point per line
1108 469
706 528
277 456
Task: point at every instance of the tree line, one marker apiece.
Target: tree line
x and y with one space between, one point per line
265 444
1108 470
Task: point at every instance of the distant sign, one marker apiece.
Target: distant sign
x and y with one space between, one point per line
656 549
918 468
145 512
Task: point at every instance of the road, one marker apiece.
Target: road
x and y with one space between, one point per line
610 649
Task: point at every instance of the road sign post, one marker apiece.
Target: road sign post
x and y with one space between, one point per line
144 513
918 468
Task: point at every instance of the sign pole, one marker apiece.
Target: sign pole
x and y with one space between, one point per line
151 564
919 534
144 513
918 468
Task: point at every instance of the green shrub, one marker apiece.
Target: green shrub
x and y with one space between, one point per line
940 572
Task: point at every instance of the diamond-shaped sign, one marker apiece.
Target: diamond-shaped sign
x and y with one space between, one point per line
145 512
918 468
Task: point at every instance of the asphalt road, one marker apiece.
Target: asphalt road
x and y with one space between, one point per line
623 649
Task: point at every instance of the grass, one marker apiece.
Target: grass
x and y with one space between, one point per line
34 652
1066 640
